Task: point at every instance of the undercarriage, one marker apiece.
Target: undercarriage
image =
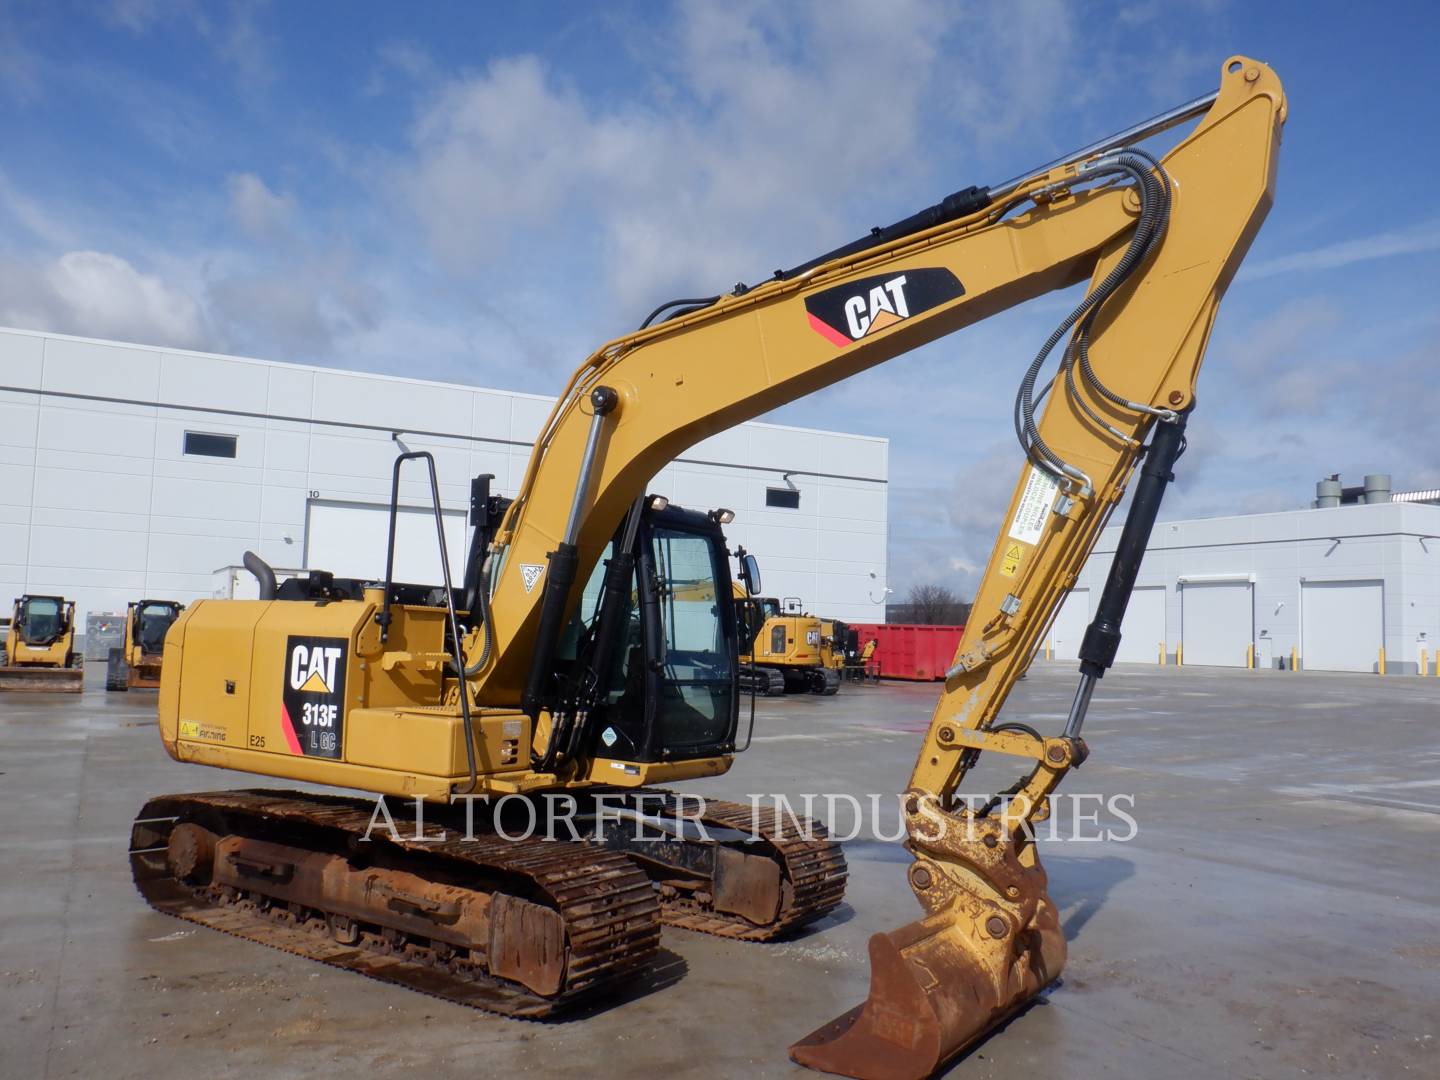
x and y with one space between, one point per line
455 907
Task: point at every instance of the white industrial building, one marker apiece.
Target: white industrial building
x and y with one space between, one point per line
130 471
1328 587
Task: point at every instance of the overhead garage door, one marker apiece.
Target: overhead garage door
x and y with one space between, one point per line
1142 634
1070 625
1217 622
349 539
1342 625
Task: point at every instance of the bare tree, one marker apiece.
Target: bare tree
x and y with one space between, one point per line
933 604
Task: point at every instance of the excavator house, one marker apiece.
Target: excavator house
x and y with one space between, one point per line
589 651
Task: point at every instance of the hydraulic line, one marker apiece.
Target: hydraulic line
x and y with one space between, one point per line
562 565
1152 187
692 304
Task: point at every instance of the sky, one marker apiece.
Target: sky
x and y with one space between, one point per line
483 193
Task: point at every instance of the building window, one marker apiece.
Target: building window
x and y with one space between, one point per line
204 444
785 498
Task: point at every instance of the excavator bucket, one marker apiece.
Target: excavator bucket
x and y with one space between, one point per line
45 680
990 941
935 988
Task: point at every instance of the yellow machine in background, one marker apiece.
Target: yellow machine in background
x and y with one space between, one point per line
40 647
136 664
579 657
836 647
782 647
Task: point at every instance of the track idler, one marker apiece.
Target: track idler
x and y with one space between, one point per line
989 942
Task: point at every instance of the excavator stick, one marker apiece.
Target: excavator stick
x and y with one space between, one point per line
32 678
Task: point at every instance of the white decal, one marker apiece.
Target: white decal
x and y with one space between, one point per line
530 574
608 736
860 311
315 667
1035 504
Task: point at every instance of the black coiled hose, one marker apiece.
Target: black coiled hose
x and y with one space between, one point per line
1153 188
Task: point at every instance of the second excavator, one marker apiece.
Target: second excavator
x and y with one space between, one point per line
590 649
782 647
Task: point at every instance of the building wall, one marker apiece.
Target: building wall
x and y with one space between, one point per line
1396 544
99 503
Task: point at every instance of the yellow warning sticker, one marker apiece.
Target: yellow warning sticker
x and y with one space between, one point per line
194 729
1010 561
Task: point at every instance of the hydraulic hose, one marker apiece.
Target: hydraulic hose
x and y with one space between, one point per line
692 304
1152 187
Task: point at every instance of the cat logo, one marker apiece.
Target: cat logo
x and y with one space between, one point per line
312 697
312 670
847 313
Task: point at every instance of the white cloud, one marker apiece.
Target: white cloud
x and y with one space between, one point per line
774 122
136 16
98 294
260 212
1411 240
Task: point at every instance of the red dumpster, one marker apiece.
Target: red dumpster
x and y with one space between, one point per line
911 651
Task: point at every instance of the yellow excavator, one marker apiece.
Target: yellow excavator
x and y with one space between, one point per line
40 651
781 647
136 663
518 683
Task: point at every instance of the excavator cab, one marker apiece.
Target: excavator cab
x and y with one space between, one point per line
671 691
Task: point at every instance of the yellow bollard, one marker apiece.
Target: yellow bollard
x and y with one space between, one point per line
1424 662
1294 658
1250 656
1162 654
1180 654
1382 659
1047 649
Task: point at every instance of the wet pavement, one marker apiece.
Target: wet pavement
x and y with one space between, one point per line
1275 914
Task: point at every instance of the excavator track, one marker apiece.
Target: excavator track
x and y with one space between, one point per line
610 917
813 873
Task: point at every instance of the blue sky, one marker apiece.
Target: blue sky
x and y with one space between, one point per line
483 193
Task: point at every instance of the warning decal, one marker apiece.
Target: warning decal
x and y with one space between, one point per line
1036 500
312 709
530 574
1010 561
194 729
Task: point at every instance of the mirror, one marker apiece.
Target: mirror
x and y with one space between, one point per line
749 572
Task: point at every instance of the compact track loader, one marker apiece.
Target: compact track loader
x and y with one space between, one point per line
590 651
40 651
136 664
